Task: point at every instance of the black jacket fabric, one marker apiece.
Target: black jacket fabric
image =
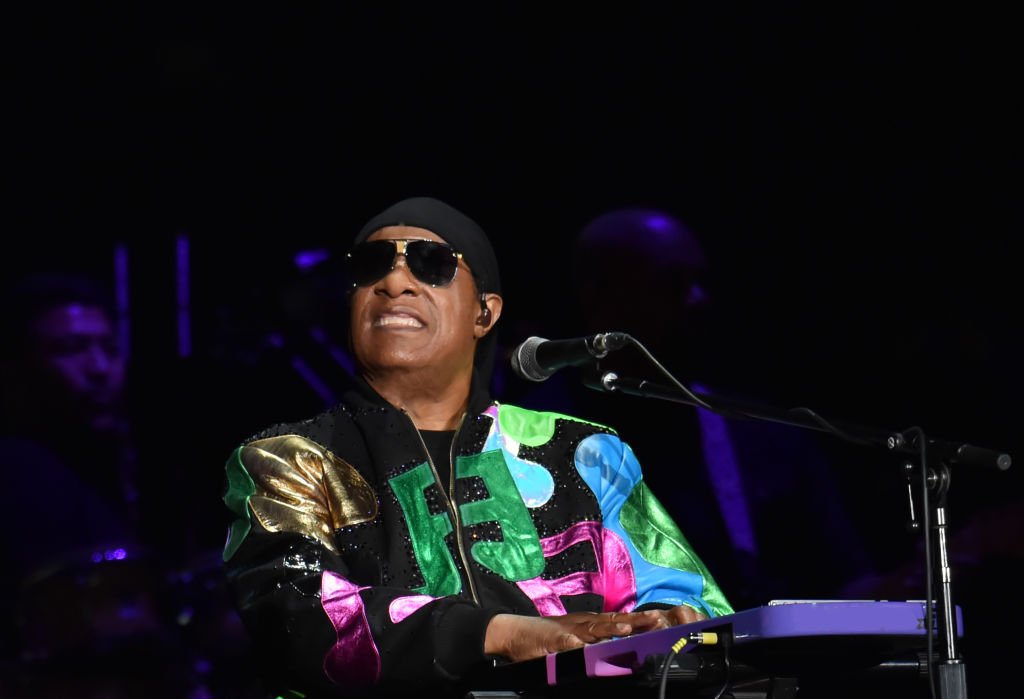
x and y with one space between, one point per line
355 569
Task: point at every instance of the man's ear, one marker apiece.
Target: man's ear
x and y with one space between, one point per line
490 311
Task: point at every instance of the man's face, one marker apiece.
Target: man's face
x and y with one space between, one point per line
76 348
400 323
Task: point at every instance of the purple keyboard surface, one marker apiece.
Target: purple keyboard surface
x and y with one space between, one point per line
811 620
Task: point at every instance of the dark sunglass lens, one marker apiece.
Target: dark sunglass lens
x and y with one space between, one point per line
432 263
371 261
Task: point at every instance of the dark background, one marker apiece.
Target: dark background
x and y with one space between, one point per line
854 173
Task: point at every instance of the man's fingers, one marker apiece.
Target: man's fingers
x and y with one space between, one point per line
651 619
566 641
685 615
598 629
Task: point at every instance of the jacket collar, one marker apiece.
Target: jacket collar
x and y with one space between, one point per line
362 395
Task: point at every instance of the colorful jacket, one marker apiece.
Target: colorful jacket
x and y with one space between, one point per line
352 566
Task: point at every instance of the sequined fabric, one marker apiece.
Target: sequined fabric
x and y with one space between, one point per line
343 531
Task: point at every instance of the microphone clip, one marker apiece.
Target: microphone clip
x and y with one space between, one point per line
603 343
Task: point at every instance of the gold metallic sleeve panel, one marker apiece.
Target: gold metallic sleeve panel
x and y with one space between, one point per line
303 488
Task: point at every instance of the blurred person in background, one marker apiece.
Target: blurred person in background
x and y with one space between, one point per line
759 498
88 608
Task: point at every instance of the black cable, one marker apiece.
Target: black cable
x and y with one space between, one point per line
929 612
675 382
829 427
676 647
710 638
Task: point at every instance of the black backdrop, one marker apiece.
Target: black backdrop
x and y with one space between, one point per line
854 173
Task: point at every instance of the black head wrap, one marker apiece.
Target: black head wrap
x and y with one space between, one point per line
457 229
463 234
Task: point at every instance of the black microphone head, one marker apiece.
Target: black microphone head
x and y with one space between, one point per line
524 360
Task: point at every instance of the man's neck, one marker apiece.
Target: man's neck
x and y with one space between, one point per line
432 405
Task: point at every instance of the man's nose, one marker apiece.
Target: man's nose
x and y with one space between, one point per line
399 278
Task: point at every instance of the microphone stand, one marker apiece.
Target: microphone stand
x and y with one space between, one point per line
951 668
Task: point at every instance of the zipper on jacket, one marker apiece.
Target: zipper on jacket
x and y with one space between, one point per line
449 497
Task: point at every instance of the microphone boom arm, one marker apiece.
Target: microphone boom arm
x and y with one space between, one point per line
950 669
894 441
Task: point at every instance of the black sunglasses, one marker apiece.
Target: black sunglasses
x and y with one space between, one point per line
429 261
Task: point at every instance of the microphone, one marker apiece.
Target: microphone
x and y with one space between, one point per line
538 358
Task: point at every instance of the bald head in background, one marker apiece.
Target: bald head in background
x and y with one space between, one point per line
641 271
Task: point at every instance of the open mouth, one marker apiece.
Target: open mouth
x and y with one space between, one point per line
397 320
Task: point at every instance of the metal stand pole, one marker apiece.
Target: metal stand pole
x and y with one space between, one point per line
950 670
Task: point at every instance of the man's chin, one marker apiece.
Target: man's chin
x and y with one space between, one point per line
399 358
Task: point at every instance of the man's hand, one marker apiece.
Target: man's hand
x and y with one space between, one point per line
679 615
518 637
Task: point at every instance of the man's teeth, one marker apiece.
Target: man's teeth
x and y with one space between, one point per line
402 320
